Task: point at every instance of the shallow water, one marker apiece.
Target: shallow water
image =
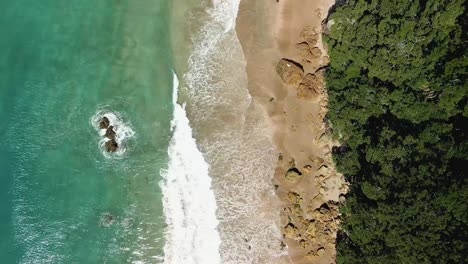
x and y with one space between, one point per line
230 129
62 200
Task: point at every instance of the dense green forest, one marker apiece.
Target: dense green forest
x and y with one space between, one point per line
398 105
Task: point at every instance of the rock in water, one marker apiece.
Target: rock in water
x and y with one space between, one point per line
107 219
104 124
111 145
110 133
290 71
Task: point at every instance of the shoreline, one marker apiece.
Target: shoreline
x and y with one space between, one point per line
307 183
230 129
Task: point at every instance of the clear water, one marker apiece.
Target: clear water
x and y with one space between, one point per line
60 61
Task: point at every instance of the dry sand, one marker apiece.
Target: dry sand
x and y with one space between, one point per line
270 31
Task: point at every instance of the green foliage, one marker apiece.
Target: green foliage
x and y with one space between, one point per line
398 103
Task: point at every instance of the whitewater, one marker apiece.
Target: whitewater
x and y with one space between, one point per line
188 199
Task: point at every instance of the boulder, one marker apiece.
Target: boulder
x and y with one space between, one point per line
304 51
320 252
311 255
290 231
111 145
316 53
104 124
310 87
293 174
110 133
290 71
293 197
304 244
310 35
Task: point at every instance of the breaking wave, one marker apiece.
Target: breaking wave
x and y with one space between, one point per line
189 202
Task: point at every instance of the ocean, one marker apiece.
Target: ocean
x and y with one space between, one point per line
191 178
62 64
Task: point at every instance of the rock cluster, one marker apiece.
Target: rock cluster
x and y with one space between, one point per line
310 188
307 49
310 217
111 145
309 85
313 229
308 53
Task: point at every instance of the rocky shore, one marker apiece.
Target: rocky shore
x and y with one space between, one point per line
285 61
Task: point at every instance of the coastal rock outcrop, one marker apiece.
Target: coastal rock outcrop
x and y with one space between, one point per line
310 87
310 35
304 51
290 71
316 53
293 174
307 52
111 146
290 231
104 123
110 133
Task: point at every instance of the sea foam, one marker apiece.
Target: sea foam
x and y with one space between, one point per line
189 202
234 135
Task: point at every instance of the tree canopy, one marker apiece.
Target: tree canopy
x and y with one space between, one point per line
398 103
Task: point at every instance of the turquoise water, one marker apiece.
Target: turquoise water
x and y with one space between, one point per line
60 61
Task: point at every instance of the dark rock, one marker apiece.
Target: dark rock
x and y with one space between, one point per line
111 145
104 124
110 133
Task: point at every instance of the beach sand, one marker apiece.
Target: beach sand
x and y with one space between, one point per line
295 100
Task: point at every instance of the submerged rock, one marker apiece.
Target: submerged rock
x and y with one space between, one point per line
111 146
106 220
290 71
104 124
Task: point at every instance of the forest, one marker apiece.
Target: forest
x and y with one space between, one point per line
398 106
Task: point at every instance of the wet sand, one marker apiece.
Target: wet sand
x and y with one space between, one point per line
307 183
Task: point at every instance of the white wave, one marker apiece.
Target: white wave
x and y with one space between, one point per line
189 202
123 131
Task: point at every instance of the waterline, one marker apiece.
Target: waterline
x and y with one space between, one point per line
189 202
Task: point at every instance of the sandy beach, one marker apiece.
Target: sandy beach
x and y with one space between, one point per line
282 43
